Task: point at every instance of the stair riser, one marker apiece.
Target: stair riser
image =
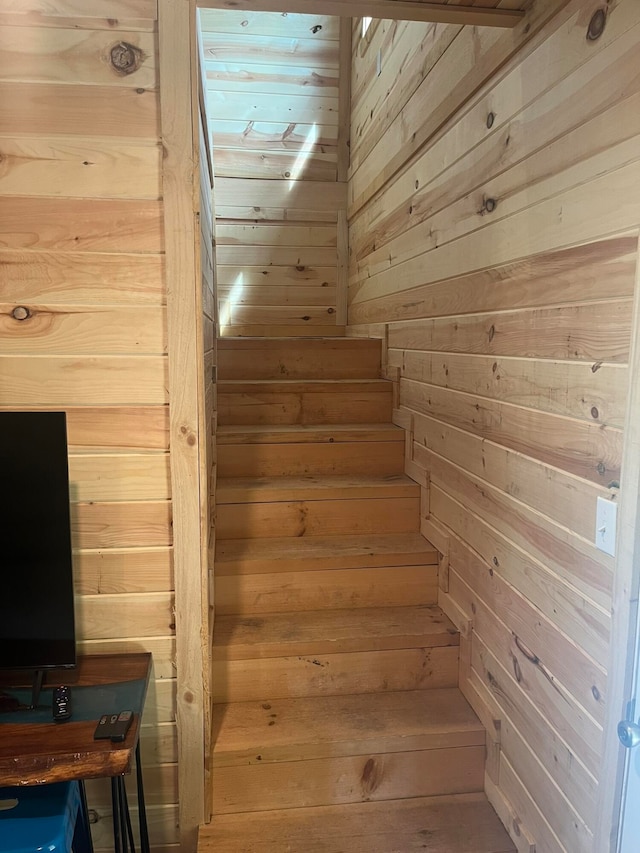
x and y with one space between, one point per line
350 779
280 555
282 460
318 518
281 407
326 590
289 359
334 674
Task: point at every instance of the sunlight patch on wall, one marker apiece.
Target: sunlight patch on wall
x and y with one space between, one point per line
232 299
305 152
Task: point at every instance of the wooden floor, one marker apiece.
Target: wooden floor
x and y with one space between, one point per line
465 823
338 725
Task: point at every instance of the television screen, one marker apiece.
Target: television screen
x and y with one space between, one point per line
37 627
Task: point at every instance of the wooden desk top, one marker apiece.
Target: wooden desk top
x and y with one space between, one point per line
35 753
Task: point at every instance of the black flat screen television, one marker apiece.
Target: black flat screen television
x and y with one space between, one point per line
37 625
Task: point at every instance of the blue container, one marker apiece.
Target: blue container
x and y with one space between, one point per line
39 818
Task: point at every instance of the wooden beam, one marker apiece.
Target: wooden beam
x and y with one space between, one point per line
344 113
395 10
176 24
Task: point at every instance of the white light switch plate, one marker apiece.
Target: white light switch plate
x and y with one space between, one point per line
606 518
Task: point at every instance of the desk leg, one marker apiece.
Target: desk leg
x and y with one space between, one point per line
142 811
126 816
118 839
122 829
84 817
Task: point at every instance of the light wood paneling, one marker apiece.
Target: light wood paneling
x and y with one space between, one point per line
34 55
87 167
24 109
84 14
126 225
494 245
74 329
81 249
273 96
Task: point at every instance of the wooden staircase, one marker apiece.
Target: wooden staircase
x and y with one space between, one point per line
338 725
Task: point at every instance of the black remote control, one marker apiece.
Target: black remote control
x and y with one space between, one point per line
121 727
113 727
61 703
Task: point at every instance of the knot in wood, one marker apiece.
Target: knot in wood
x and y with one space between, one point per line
490 120
596 24
372 776
20 312
126 58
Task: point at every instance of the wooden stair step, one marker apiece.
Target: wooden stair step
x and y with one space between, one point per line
329 726
302 386
296 554
272 329
333 652
382 586
282 358
293 753
461 823
326 517
314 488
338 401
347 779
324 458
328 632
311 433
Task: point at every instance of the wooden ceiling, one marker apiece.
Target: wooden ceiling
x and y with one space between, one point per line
487 13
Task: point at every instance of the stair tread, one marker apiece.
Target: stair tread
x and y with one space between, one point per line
305 553
322 632
307 433
326 726
309 488
458 823
250 341
292 386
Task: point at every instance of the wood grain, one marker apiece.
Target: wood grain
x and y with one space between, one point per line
82 278
89 168
90 14
31 54
75 330
98 225
108 111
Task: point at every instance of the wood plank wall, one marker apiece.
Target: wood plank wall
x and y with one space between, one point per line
81 248
494 214
274 112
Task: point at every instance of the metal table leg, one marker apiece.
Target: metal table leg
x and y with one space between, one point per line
142 811
83 818
122 828
117 820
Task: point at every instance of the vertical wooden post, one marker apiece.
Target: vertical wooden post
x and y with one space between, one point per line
344 116
176 25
